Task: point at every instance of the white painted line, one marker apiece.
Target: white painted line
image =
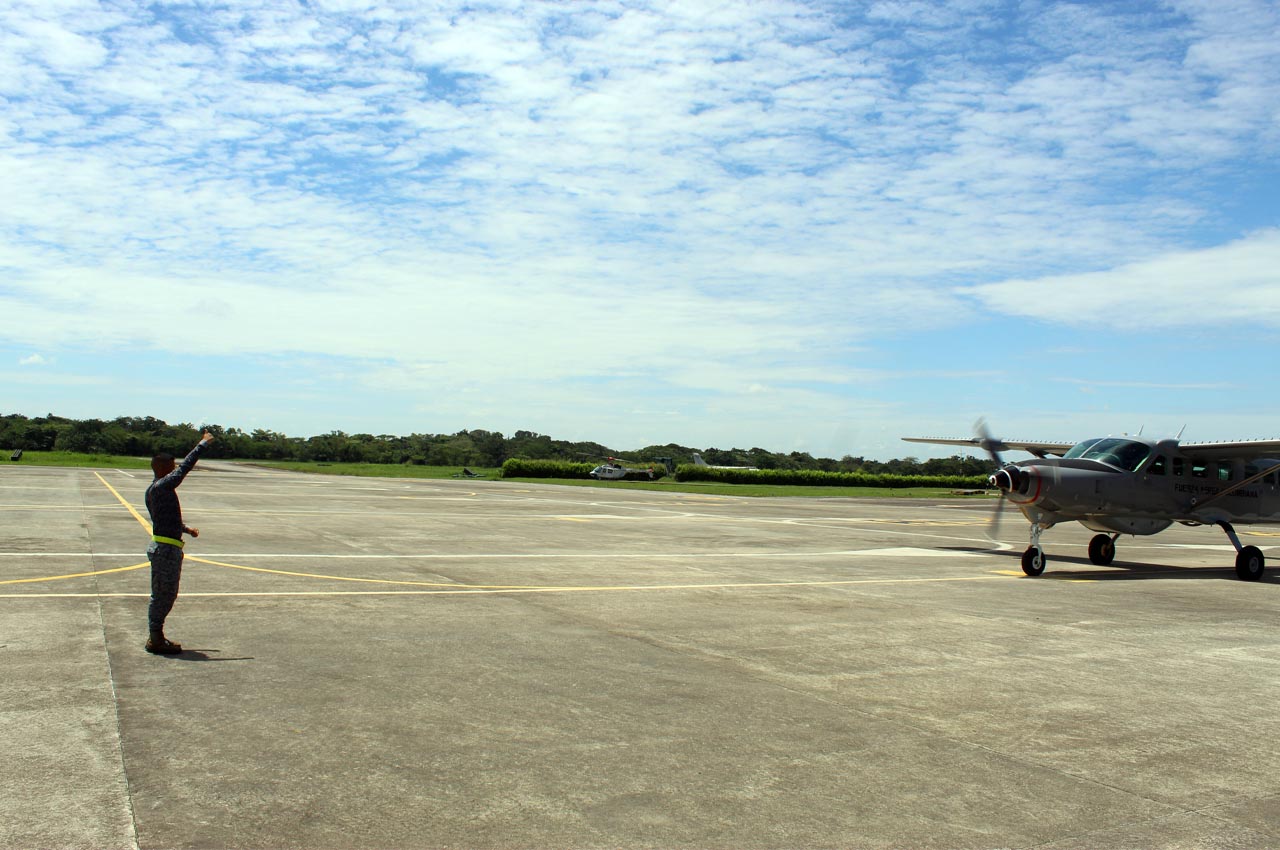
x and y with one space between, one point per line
527 556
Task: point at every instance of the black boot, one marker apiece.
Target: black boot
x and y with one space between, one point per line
158 644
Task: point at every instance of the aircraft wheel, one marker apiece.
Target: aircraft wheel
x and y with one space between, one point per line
1102 550
1250 563
1033 561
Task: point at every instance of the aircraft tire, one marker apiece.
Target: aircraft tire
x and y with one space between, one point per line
1250 563
1102 550
1033 561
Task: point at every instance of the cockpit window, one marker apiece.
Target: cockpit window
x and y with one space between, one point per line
1116 451
1081 447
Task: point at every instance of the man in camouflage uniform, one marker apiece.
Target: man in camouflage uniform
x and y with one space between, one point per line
165 551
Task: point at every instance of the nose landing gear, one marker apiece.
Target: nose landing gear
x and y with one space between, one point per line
1033 559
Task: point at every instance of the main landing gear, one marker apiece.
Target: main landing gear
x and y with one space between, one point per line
1249 560
1102 549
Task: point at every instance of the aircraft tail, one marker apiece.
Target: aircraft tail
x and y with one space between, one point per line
698 461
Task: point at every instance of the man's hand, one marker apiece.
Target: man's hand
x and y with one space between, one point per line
207 438
194 532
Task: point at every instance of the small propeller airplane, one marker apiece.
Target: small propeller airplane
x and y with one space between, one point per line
1135 485
698 461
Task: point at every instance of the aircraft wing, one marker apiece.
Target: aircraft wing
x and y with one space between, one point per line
1241 449
1039 449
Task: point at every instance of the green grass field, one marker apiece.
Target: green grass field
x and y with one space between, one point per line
78 459
375 470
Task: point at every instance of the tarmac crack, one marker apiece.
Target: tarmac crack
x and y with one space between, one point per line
119 731
118 727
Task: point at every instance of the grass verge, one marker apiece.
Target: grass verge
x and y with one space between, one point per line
376 470
79 459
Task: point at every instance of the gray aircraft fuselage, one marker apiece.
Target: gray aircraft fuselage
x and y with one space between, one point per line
1129 485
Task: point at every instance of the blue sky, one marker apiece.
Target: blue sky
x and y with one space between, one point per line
809 226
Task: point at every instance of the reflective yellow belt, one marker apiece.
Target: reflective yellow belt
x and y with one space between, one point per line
157 538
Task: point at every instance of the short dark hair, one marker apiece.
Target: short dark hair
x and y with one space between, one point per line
161 461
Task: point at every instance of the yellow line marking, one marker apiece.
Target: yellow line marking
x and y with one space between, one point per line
136 516
571 519
481 590
74 575
351 578
131 508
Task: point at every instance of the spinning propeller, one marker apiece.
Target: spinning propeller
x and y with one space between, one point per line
992 445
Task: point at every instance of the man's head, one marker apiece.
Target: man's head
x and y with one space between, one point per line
162 464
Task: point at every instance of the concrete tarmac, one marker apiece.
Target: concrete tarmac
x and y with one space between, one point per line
379 663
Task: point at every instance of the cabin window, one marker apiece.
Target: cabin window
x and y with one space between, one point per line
1224 472
1177 467
1199 470
1157 466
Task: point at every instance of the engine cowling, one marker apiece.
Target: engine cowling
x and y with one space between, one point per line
1011 479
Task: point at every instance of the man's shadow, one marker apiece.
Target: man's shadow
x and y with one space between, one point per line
203 655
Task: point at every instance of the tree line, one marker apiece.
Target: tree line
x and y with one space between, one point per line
143 436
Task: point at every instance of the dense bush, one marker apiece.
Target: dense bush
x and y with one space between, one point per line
520 468
817 478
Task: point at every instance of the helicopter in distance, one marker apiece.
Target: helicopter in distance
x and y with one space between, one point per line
611 470
1135 485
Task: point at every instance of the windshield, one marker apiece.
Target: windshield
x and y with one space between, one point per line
1126 454
1081 447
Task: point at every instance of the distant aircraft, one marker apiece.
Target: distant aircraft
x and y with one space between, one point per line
698 461
612 471
1136 485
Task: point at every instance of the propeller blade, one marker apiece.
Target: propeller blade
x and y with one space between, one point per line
993 527
988 443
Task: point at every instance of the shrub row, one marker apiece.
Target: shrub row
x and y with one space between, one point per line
817 478
520 468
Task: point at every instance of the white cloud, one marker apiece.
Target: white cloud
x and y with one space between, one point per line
1233 285
33 360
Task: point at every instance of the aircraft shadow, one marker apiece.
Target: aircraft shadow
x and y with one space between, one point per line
1118 570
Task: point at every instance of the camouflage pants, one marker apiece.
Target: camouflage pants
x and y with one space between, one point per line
166 570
